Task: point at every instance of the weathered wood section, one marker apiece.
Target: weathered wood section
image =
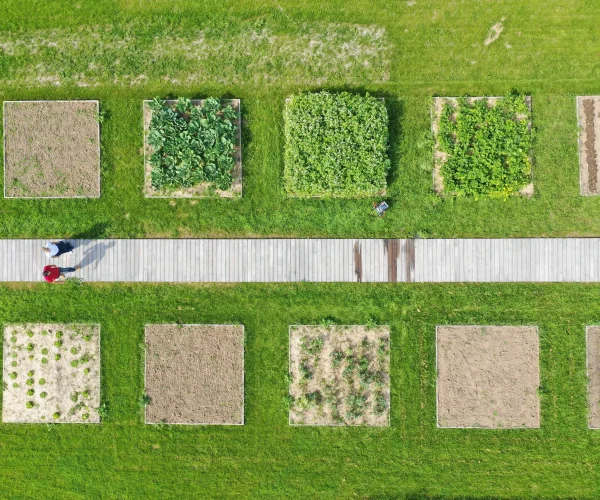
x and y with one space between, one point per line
316 260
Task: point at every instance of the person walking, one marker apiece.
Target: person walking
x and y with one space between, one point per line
53 273
55 249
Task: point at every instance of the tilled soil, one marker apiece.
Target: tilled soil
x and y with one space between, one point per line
51 149
338 381
51 373
593 368
488 376
195 374
204 189
588 117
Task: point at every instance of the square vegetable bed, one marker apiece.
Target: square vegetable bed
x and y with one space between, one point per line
593 372
483 146
335 145
193 148
588 119
339 375
51 373
51 149
488 376
195 374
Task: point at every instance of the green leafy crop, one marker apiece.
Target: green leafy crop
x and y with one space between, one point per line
336 145
191 144
488 146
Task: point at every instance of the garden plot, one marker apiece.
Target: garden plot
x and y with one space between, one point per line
195 374
51 373
588 118
208 163
339 375
488 376
593 371
335 145
483 146
51 149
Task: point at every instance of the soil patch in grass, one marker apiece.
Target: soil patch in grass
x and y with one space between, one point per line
205 189
488 376
51 149
195 374
339 375
593 371
441 156
51 373
588 118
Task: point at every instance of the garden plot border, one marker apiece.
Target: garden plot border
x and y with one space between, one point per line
437 404
587 372
97 101
383 192
243 422
588 153
99 381
389 413
236 189
439 157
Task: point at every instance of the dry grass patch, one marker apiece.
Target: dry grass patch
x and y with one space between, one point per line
51 373
203 189
588 118
195 374
51 149
593 371
339 375
488 376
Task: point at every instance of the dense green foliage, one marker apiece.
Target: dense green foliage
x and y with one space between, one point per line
335 144
191 144
266 458
488 146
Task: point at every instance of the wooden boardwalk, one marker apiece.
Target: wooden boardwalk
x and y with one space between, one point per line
316 260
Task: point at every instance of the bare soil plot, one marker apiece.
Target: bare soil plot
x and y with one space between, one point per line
51 149
488 376
195 374
339 375
51 373
205 189
441 157
588 118
593 371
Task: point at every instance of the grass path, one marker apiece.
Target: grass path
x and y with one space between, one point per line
268 459
413 51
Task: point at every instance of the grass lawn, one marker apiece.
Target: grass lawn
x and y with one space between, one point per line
127 51
266 458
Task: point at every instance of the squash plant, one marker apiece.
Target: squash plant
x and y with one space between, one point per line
488 146
191 144
335 145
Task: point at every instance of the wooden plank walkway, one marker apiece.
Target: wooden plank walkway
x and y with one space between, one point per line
316 260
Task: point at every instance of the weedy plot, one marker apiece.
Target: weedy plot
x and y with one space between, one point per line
335 145
193 148
195 374
51 149
483 146
339 375
593 371
588 118
488 376
51 373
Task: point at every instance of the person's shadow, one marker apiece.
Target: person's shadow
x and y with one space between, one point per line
95 254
